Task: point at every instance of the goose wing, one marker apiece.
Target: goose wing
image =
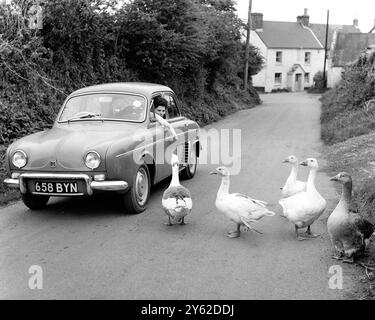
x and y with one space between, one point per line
249 208
363 225
259 202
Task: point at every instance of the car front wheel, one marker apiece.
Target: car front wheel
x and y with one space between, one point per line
136 199
34 201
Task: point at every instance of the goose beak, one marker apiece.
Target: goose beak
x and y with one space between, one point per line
335 178
304 163
285 161
214 172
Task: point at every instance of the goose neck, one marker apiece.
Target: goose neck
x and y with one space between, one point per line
224 187
346 196
310 186
293 173
175 180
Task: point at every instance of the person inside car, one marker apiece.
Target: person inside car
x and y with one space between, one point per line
159 114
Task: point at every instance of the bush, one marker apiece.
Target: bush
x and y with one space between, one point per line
345 111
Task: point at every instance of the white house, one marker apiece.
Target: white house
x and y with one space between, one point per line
293 52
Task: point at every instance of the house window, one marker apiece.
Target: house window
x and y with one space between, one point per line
279 56
307 77
307 57
278 78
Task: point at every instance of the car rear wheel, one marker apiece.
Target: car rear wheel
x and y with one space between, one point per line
34 201
191 168
136 199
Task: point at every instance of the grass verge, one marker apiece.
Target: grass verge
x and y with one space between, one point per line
357 157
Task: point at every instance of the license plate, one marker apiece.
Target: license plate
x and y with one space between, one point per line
66 187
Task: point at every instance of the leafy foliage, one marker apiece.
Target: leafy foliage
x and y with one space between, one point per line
347 109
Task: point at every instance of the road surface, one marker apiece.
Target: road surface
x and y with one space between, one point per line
89 249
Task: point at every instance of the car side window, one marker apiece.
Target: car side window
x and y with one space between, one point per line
173 111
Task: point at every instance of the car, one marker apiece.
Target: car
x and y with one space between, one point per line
97 144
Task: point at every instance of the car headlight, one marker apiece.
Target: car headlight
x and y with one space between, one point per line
92 160
19 159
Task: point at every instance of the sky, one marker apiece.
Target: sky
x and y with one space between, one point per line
340 11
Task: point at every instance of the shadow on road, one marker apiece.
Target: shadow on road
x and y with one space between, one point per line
102 204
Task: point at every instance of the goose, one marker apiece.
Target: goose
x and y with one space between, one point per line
292 186
239 208
176 202
303 208
350 233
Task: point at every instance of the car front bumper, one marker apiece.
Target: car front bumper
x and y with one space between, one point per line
90 184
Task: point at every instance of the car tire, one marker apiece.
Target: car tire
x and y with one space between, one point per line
191 168
136 199
34 201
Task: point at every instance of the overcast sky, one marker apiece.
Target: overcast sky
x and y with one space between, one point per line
340 11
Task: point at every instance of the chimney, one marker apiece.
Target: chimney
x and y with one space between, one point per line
304 19
355 23
256 21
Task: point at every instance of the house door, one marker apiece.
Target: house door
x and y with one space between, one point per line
298 82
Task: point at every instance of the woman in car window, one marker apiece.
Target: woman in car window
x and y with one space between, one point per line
159 114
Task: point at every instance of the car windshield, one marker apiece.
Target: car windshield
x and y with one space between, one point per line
105 106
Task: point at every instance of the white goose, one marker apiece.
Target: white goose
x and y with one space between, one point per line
303 208
176 202
239 208
292 186
350 233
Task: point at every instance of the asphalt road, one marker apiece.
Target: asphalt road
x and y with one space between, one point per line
89 249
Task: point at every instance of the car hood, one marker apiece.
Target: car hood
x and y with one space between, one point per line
68 144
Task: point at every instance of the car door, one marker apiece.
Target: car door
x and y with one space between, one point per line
178 123
162 145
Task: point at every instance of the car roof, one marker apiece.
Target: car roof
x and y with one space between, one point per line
143 88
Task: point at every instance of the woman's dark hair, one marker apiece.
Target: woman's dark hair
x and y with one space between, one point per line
159 101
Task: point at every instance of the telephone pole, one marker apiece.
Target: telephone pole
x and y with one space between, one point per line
325 53
247 50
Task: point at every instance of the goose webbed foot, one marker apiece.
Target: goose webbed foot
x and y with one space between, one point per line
308 235
235 233
169 223
182 222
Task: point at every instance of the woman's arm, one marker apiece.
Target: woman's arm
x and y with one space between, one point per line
167 125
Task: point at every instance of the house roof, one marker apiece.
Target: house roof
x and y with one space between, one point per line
319 30
287 35
349 46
